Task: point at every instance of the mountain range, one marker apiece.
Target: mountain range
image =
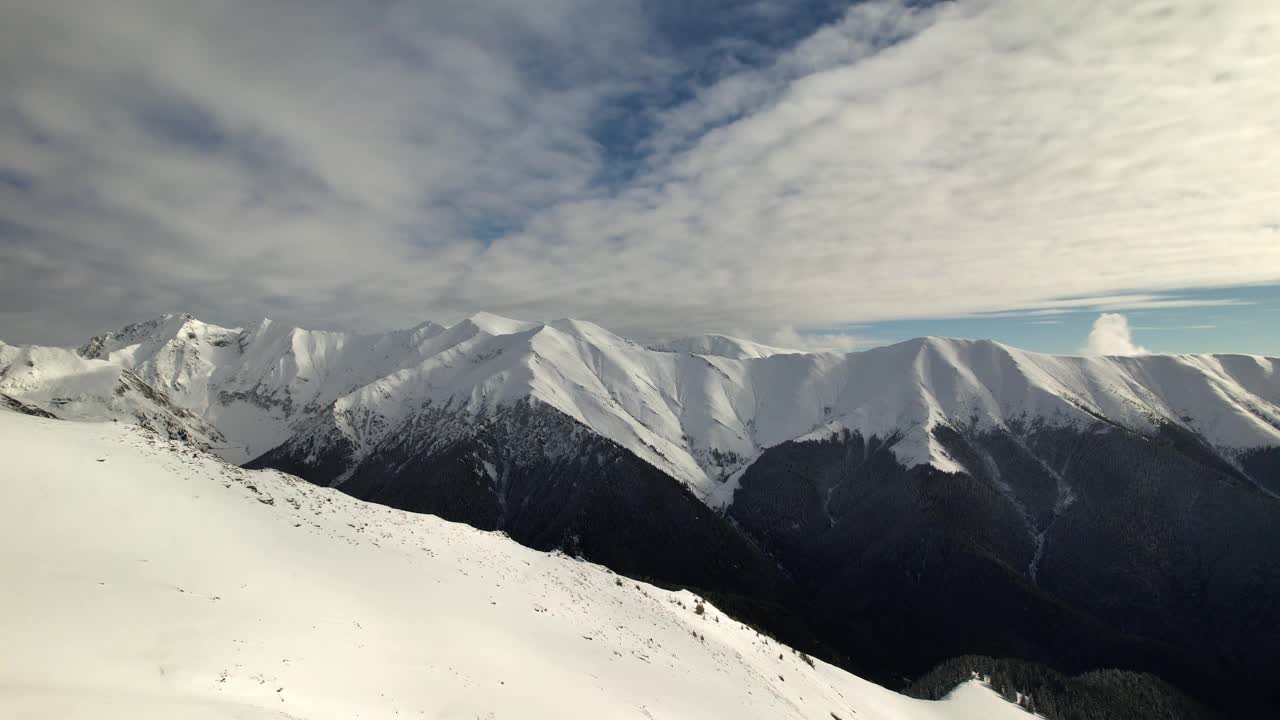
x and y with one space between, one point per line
889 509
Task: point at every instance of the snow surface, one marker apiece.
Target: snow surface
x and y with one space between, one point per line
701 418
721 346
144 579
70 387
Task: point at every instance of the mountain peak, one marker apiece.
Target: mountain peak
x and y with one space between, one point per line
588 331
684 405
496 324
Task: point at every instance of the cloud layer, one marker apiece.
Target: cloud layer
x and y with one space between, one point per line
337 164
1111 336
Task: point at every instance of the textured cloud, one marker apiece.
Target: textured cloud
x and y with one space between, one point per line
1111 336
339 163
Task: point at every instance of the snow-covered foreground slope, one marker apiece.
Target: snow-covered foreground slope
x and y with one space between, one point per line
687 410
145 580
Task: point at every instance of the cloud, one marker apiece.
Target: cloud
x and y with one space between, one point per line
1107 303
340 164
1111 336
810 341
1176 328
324 160
863 31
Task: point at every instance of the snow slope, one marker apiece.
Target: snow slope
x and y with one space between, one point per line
144 579
699 417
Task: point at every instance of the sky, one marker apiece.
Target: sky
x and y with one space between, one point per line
1061 175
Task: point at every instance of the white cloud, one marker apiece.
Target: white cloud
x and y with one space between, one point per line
1007 154
1205 326
1111 336
1106 303
794 339
378 165
327 161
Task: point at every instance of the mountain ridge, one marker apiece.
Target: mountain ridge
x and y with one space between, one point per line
700 418
722 346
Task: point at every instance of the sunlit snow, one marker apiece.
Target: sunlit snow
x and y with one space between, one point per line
143 579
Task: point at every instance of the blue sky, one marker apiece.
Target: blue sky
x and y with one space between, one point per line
1250 325
821 173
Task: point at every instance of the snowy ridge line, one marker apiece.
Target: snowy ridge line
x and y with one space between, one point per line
700 417
256 595
59 383
722 346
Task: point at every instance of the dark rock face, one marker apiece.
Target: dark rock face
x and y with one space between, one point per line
1263 467
549 483
1095 695
16 405
1081 549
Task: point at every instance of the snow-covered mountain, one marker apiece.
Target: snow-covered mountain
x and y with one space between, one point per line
720 346
254 383
60 383
699 410
143 580
1080 511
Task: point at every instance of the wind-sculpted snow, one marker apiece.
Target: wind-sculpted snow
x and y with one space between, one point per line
145 579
